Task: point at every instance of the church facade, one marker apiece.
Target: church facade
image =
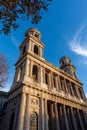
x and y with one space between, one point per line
42 96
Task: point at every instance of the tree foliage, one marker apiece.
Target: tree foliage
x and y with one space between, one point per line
4 70
12 10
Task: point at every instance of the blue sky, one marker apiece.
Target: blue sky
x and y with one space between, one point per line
64 32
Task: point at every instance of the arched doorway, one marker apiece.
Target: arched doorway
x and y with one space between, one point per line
33 121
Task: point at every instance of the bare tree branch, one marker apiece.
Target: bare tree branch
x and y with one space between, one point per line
4 70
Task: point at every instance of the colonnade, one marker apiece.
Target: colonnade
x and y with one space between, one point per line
63 117
56 81
51 115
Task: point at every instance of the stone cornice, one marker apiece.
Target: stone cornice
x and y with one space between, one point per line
58 94
49 95
61 72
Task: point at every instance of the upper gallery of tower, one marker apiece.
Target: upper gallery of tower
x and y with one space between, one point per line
67 66
33 32
32 43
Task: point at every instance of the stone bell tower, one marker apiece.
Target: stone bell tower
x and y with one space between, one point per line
31 46
27 73
67 66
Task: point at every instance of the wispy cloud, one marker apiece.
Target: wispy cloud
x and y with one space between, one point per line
15 41
78 44
86 94
79 49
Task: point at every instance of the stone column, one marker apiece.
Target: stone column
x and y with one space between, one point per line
56 79
50 83
77 91
80 120
85 119
5 123
52 117
16 113
45 116
21 113
27 67
65 85
84 97
51 79
23 69
65 118
17 74
71 89
8 122
73 119
40 52
32 47
42 114
56 116
41 74
26 120
59 84
31 68
29 45
85 116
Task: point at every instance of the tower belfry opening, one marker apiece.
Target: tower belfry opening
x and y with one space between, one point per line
36 49
42 96
35 73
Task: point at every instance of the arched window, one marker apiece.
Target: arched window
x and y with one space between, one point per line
20 73
24 49
47 78
33 121
36 35
80 91
35 73
36 51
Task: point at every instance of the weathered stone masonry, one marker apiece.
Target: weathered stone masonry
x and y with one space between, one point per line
42 96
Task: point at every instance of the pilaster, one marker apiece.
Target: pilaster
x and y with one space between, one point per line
26 120
20 121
